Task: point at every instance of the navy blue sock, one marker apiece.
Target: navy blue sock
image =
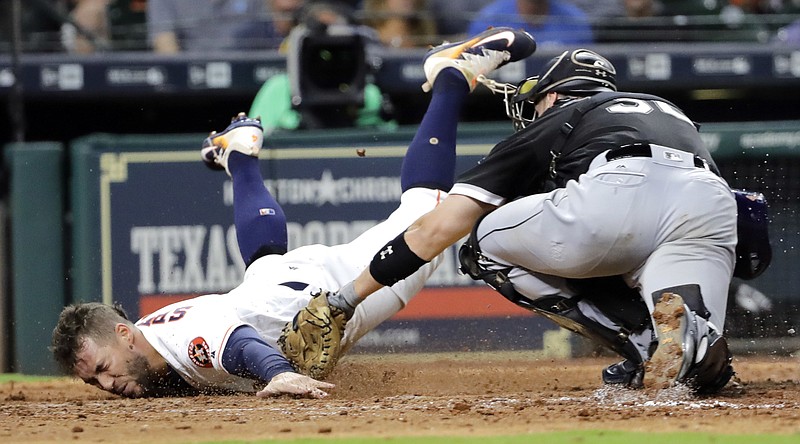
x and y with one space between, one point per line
431 157
259 219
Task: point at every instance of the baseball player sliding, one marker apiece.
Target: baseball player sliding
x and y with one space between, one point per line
603 212
234 341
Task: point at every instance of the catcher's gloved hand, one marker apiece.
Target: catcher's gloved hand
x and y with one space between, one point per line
312 340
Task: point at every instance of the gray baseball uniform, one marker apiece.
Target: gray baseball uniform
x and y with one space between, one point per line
657 214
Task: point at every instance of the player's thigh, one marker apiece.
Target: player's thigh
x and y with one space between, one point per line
514 233
585 230
413 204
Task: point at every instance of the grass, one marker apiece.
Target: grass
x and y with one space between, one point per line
16 377
577 437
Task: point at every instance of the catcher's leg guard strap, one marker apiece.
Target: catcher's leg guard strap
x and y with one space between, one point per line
469 256
470 253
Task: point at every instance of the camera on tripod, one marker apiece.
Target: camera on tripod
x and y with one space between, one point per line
328 69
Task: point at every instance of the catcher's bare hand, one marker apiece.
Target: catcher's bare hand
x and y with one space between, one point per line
312 340
289 383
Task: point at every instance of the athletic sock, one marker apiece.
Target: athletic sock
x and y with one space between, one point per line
259 219
431 157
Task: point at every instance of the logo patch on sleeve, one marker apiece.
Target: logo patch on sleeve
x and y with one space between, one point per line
199 353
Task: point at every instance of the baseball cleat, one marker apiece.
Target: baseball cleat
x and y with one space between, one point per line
244 135
479 55
675 351
625 373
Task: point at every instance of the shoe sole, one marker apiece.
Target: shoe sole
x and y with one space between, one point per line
662 370
455 50
220 140
225 141
239 121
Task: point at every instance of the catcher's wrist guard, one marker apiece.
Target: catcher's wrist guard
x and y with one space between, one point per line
312 341
346 299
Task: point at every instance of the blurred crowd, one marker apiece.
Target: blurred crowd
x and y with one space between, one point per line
171 26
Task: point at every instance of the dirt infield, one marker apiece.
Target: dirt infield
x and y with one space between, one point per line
466 394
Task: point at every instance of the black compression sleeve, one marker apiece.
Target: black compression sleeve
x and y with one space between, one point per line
395 262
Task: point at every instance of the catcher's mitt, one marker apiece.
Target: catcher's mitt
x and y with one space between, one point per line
312 340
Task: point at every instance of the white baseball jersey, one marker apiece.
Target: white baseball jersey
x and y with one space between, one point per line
192 334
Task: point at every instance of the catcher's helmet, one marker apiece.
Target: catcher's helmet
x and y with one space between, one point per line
579 72
753 251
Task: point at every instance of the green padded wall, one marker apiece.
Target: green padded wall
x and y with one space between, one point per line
38 281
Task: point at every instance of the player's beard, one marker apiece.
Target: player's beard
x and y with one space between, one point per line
144 375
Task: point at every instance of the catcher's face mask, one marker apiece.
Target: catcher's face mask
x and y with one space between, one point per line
577 73
521 112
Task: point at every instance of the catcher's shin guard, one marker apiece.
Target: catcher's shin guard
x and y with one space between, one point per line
561 310
566 313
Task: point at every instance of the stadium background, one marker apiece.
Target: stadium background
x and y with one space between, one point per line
108 155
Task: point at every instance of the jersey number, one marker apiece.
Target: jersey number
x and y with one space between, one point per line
174 315
628 106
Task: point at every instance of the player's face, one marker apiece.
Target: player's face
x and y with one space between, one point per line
544 103
114 367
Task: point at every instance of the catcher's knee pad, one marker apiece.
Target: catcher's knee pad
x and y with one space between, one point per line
470 257
476 265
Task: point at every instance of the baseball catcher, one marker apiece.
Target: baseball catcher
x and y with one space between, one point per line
604 212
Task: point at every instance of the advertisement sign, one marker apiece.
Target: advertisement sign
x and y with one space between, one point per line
167 234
